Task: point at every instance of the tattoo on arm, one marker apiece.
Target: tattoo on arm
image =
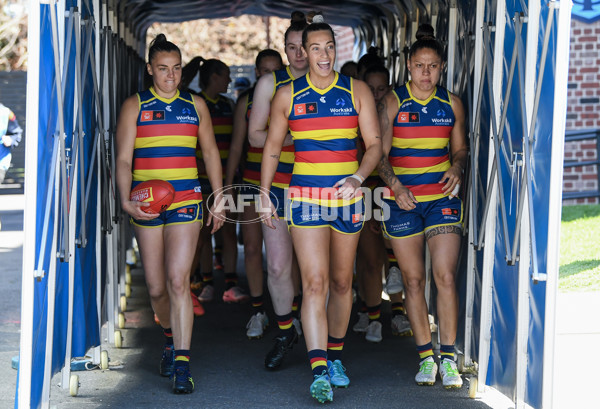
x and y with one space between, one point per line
456 229
386 172
275 157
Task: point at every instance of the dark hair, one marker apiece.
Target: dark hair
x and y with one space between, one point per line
208 68
377 69
298 23
349 66
426 39
318 24
160 43
268 53
369 59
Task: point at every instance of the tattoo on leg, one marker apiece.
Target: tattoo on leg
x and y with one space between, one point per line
443 230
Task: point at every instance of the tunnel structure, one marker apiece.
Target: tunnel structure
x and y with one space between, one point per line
506 59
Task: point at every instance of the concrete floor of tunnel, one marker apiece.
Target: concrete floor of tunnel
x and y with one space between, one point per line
228 368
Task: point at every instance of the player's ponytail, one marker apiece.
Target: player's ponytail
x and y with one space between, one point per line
160 43
208 68
426 39
298 23
317 24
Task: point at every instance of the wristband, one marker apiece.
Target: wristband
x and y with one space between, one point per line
357 177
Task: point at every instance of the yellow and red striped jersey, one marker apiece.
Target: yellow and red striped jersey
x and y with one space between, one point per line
165 144
419 153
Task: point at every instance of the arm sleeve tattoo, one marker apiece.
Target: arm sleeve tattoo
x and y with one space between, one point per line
386 172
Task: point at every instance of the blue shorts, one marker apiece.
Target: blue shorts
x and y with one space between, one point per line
278 198
347 219
181 215
251 191
425 216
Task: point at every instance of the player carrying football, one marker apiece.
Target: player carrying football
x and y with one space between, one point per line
157 134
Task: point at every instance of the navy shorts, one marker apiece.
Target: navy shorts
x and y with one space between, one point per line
181 215
348 219
278 198
425 216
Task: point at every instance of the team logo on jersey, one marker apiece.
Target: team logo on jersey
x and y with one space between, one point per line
152 116
441 113
303 109
340 102
405 117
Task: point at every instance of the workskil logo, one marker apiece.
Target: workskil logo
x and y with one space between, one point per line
187 118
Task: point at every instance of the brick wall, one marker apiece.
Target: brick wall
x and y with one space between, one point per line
583 107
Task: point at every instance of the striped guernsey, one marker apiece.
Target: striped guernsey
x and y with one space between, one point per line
419 154
324 127
165 144
221 115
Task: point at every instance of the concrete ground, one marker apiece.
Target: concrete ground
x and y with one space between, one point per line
228 368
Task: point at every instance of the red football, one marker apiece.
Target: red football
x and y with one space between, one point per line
159 193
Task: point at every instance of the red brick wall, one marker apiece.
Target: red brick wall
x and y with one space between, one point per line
583 107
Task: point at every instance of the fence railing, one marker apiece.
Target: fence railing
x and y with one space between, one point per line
582 135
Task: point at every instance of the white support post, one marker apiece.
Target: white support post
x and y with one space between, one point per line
95 60
70 256
472 253
550 387
452 40
523 298
110 294
479 14
51 290
98 241
490 223
523 309
23 395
